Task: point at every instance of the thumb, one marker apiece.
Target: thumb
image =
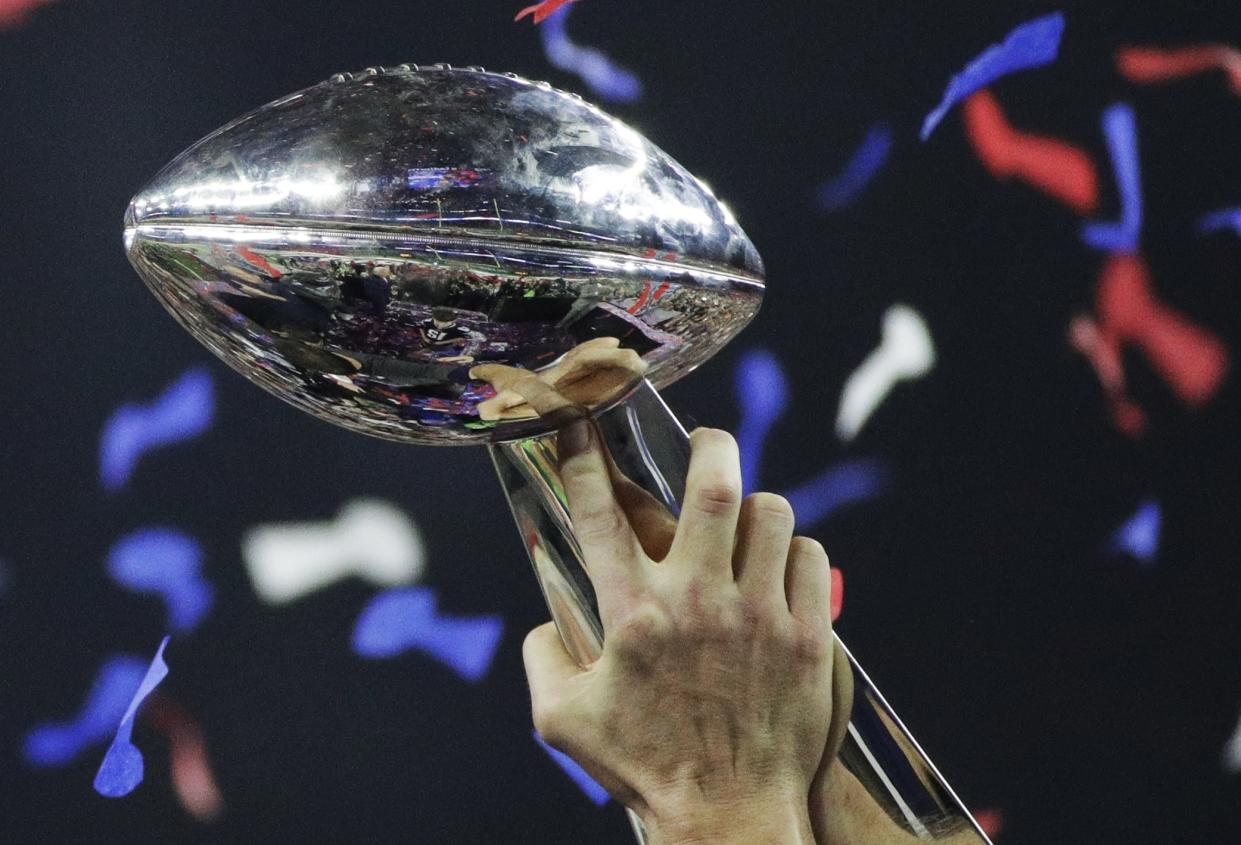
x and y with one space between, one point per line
549 668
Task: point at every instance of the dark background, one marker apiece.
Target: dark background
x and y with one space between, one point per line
1084 695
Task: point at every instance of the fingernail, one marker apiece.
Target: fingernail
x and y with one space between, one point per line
574 439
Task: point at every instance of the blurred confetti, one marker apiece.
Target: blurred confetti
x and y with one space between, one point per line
58 743
1146 65
845 483
1232 751
543 10
837 602
167 563
1120 129
122 768
762 393
1139 536
402 619
1055 167
370 539
602 76
1030 45
1191 359
1220 221
14 13
865 163
585 782
905 352
190 769
990 820
184 410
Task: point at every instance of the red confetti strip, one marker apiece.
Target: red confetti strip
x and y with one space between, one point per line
1191 359
192 779
991 821
14 13
542 11
1055 167
838 593
1152 65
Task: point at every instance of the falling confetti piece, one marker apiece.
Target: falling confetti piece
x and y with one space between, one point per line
542 11
602 76
166 563
59 743
1221 221
370 539
905 352
184 410
402 619
845 483
596 793
762 393
1120 129
837 602
1031 45
121 770
15 13
990 820
865 163
190 770
1147 65
1139 536
1055 167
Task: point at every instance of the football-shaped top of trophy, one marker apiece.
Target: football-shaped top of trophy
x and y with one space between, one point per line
364 248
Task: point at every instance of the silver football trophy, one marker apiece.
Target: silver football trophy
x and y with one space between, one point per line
456 257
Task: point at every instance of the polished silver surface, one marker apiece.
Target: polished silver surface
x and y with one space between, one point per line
360 246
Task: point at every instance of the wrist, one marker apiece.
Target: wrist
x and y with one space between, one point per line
770 819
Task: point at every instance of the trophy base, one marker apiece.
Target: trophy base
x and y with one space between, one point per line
651 447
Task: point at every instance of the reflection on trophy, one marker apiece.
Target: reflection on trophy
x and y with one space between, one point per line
458 257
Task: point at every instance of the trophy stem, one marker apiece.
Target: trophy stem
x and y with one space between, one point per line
650 446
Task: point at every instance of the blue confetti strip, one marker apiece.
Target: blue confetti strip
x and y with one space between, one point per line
405 618
59 743
121 770
184 410
867 160
602 76
1220 221
1120 129
845 483
596 793
167 563
762 393
1139 536
1031 45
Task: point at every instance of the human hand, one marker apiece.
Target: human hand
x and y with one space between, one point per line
708 711
587 374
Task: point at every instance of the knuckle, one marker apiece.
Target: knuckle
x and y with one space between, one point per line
597 524
809 644
770 508
717 497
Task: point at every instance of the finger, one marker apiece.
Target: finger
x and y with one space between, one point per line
842 700
808 583
549 668
708 523
610 550
651 521
764 532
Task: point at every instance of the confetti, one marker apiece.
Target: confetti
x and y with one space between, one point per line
1147 65
1031 45
602 76
15 13
762 393
865 163
905 352
542 11
370 539
402 619
190 770
167 563
59 743
845 483
1221 221
596 793
1055 167
990 820
1232 751
184 410
122 768
1120 129
837 602
1139 536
